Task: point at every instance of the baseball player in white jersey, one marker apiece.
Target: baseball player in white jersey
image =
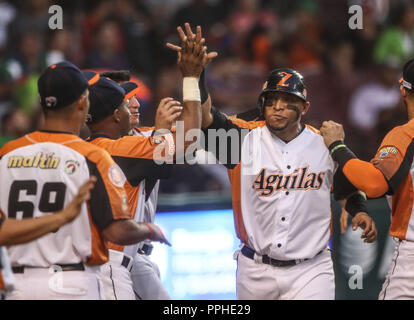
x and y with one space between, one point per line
13 232
390 173
281 186
41 172
281 175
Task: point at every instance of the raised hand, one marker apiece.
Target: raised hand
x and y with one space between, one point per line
168 111
331 132
207 58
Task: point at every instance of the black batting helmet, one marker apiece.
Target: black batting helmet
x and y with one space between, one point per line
283 80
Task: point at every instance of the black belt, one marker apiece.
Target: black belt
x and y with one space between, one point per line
249 253
146 249
65 267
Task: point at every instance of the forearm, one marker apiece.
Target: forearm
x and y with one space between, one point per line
126 232
356 203
14 232
363 175
191 114
206 116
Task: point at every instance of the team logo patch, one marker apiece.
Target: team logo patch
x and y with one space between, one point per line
71 166
386 151
116 176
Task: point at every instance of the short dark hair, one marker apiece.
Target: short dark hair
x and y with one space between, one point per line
117 76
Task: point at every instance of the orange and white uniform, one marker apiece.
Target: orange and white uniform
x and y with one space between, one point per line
145 273
135 156
391 172
41 172
281 195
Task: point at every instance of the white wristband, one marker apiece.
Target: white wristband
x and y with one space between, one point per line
191 91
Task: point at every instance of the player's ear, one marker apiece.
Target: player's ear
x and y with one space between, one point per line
82 102
116 115
306 106
403 92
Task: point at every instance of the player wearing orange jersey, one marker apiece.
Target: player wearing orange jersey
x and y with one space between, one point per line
110 123
390 173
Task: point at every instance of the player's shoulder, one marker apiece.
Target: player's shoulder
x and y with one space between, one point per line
15 144
90 151
401 135
312 129
143 130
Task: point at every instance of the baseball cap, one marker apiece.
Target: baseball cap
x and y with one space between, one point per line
407 81
105 97
60 85
131 89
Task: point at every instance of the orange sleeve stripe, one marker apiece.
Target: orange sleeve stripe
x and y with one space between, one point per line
234 175
365 177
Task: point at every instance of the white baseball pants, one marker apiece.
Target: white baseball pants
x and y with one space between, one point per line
44 284
146 279
399 282
116 278
310 280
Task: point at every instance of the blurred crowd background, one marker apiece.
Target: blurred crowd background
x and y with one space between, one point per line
351 75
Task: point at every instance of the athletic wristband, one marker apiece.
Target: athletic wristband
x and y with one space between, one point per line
203 87
357 202
337 147
191 91
341 154
334 144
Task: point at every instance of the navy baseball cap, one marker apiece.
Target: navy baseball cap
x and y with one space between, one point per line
60 85
105 96
131 89
407 81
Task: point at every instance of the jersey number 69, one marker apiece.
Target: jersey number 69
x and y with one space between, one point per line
46 203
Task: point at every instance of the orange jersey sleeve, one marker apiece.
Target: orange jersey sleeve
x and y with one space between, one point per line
395 155
136 156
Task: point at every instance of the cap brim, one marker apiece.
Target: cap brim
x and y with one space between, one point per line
131 89
91 76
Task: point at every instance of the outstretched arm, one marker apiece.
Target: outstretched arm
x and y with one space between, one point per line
365 176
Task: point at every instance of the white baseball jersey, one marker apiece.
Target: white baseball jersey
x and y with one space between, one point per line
149 187
281 191
41 173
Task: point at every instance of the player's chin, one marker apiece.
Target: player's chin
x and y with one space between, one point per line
278 125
